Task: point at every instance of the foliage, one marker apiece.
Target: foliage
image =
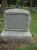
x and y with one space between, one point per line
34 3
22 2
1 22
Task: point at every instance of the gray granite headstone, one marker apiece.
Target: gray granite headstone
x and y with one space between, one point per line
17 20
16 24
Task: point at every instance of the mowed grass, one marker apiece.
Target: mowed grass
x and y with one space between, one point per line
34 21
33 29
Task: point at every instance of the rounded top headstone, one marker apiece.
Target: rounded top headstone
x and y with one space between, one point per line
16 10
17 19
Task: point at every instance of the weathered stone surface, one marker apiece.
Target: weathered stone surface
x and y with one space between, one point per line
17 20
16 25
15 36
1 38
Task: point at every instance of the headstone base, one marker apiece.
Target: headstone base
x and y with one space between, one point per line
15 36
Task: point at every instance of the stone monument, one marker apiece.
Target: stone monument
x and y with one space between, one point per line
16 25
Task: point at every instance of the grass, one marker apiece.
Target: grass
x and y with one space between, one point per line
1 22
27 48
33 29
34 22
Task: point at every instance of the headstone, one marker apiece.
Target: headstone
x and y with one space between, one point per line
16 25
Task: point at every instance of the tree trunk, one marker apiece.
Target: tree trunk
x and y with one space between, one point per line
4 4
17 3
31 4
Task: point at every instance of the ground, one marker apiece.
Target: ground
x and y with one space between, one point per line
33 29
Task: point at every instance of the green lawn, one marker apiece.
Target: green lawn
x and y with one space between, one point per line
34 22
33 29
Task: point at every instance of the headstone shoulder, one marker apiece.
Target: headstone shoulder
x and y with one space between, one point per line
11 11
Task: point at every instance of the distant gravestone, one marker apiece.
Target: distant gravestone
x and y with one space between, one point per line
16 25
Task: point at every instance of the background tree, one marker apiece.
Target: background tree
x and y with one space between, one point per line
17 3
3 5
